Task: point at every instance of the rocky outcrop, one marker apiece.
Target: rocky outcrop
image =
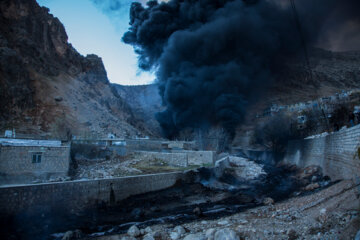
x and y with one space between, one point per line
145 101
242 168
38 67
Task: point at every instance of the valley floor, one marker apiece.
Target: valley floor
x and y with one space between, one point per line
332 213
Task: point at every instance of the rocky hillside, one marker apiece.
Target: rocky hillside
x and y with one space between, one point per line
144 101
332 72
47 88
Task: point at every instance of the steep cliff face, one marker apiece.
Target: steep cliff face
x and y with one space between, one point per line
145 102
47 87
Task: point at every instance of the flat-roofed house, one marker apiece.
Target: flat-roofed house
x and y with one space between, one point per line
23 161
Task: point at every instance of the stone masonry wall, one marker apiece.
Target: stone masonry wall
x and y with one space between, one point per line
336 153
200 157
172 159
76 196
180 158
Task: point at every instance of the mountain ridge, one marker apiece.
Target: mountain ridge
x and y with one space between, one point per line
47 88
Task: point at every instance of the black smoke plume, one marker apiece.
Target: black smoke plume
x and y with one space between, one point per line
211 57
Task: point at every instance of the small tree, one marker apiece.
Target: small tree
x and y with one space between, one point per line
340 116
315 122
276 132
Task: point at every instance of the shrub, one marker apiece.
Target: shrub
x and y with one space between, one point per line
276 132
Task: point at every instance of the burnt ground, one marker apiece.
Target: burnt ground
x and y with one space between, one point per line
329 213
200 196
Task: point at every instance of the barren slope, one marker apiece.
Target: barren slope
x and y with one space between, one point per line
47 87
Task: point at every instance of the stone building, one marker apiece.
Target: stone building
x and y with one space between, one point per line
24 161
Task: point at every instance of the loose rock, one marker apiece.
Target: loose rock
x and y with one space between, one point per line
134 231
180 230
268 201
174 235
148 237
197 212
312 186
224 222
292 235
210 233
226 234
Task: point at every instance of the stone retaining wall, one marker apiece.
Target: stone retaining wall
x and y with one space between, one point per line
200 158
180 158
73 197
336 153
171 159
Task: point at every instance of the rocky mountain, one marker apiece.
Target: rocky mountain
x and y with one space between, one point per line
145 102
331 72
47 88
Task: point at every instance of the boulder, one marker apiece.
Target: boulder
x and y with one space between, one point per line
175 235
268 201
312 187
210 233
159 235
240 167
148 229
133 231
148 237
309 172
197 211
226 234
180 230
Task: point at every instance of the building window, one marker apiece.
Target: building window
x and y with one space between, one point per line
36 157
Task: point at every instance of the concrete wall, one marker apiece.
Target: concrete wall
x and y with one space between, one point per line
16 163
79 195
157 145
200 157
335 153
180 158
172 159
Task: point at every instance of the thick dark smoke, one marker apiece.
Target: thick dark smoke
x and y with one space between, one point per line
211 57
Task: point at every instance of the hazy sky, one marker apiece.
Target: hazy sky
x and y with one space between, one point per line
91 31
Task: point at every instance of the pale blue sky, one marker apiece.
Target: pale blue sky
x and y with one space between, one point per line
91 31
